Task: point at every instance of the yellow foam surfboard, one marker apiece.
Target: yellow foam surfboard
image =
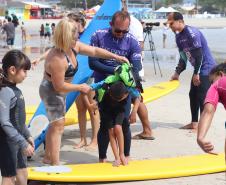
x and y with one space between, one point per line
150 93
136 170
70 118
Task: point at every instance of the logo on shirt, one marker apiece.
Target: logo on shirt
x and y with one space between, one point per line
196 44
104 17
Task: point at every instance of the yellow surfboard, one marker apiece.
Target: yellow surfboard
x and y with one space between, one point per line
70 118
150 93
136 170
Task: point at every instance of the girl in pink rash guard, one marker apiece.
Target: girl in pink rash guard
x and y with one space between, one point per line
215 94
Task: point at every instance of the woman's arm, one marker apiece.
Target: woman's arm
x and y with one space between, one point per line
98 52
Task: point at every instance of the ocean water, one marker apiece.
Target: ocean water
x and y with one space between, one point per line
215 37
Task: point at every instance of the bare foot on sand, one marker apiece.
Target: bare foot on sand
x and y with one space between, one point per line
46 160
192 125
91 147
80 145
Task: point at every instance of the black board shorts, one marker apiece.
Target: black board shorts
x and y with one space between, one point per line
11 158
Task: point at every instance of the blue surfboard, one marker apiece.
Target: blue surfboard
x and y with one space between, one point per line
39 123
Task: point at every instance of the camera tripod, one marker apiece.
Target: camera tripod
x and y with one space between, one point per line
154 55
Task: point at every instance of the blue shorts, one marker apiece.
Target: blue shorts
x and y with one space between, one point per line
10 41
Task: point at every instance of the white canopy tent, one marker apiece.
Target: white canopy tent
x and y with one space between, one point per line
170 9
188 7
161 10
165 10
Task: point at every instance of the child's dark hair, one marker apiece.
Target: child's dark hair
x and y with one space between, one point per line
219 68
13 58
118 90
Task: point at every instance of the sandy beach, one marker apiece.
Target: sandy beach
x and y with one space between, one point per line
167 114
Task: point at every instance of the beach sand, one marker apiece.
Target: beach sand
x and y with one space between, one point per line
167 114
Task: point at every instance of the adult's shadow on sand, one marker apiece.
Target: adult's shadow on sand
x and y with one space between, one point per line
75 133
78 157
138 126
68 157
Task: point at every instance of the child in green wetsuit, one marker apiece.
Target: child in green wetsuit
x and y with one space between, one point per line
114 97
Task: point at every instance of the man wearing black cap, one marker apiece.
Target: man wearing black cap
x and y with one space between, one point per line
192 47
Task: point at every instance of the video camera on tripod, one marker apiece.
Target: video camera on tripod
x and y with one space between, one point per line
147 30
149 25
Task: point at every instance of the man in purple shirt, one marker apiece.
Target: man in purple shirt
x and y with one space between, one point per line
117 40
192 47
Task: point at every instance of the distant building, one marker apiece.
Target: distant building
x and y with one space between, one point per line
139 4
30 10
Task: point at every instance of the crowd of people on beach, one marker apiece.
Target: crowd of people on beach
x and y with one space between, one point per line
114 54
8 27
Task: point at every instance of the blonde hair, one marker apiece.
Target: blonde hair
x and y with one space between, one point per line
65 34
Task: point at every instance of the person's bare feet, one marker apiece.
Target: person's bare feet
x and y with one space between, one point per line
46 161
91 147
116 163
123 159
191 126
143 136
102 160
80 144
128 159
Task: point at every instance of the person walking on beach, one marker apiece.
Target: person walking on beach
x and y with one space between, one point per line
42 32
9 28
48 31
53 25
15 20
16 142
116 39
164 34
59 69
2 34
23 33
192 47
215 94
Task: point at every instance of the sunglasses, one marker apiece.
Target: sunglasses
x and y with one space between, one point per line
121 31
